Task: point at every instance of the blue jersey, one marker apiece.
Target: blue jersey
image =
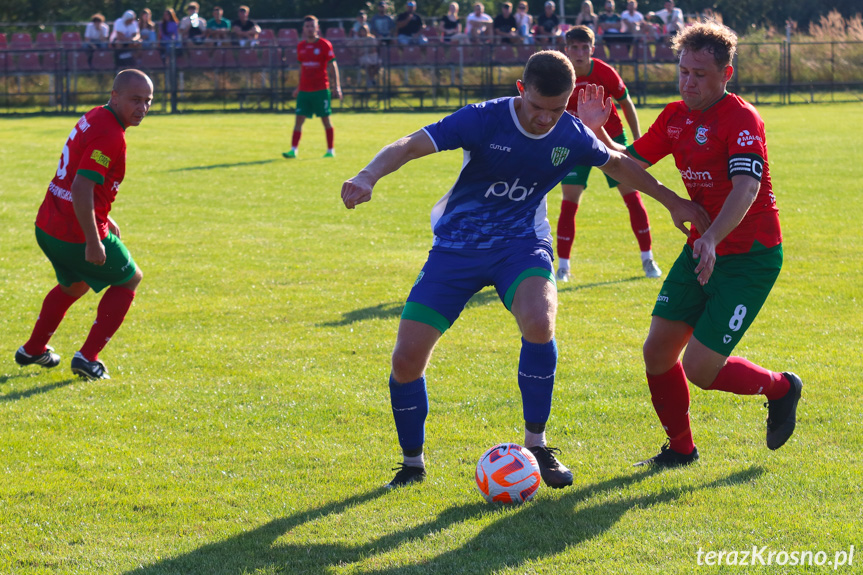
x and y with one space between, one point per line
507 172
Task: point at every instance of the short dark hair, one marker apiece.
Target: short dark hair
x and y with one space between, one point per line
580 34
310 18
708 35
550 73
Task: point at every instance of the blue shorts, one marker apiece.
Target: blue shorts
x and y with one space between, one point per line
450 277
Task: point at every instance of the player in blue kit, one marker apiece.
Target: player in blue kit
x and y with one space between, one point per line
491 228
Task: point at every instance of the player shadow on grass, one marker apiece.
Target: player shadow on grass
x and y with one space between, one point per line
572 286
394 309
217 166
24 394
541 528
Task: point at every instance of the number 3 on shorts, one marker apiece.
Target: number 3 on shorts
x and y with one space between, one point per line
737 319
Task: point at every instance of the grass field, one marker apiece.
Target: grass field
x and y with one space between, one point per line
247 427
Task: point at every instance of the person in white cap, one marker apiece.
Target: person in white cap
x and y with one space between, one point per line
125 37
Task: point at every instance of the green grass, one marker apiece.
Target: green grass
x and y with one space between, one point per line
247 427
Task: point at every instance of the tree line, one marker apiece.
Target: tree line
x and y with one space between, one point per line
741 15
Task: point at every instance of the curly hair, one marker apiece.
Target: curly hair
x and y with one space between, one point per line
708 35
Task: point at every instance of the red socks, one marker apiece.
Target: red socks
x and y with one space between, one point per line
638 220
295 139
111 312
743 377
331 137
669 392
566 228
54 309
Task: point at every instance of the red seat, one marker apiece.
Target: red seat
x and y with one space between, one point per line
46 40
524 52
224 58
198 58
70 40
103 60
335 33
267 37
77 60
51 61
29 62
504 54
664 53
20 41
288 37
7 64
618 52
347 56
248 58
150 60
2 40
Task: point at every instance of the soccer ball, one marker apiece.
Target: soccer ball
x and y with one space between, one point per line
507 473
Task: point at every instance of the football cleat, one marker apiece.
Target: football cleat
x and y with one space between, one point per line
330 154
669 458
562 274
651 270
406 475
289 155
782 413
46 359
554 473
88 369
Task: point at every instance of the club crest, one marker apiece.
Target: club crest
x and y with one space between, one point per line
558 155
701 135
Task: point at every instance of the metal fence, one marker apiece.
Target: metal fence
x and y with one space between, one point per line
42 77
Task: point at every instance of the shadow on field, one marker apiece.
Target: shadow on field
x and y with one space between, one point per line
16 395
575 287
393 309
540 529
218 166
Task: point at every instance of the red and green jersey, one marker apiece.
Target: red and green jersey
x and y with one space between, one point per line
603 75
710 147
313 58
96 149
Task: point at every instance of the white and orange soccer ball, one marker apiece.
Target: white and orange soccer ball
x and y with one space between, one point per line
507 473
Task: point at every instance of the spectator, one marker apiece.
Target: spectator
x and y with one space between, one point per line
505 25
149 37
478 24
96 35
218 28
169 31
632 20
671 18
451 25
362 20
193 28
587 17
245 31
125 38
382 24
609 23
367 54
409 26
547 24
524 23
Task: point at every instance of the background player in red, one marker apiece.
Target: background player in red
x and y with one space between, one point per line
719 283
77 235
579 48
316 58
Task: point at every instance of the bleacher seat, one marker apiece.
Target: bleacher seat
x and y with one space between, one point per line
288 38
224 58
198 58
51 61
103 60
664 53
267 37
76 60
3 41
20 41
29 62
46 40
150 60
7 64
70 40
618 52
248 58
336 33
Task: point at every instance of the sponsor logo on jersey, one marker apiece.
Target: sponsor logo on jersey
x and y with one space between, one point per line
499 147
558 155
83 124
726 338
100 158
419 277
59 192
662 298
744 138
694 175
674 132
514 192
701 135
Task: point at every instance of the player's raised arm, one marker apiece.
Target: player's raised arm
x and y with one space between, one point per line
627 171
358 190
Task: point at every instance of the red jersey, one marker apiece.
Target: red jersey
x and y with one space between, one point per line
96 149
603 75
709 148
313 58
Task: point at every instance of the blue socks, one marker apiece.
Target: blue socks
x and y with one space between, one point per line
410 404
536 367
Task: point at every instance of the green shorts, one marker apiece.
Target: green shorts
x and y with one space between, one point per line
721 311
578 175
311 104
70 266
